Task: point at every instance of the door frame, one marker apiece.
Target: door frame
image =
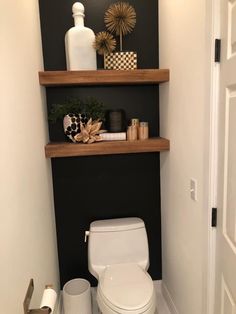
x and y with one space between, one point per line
213 30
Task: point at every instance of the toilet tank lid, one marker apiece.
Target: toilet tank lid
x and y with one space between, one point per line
117 224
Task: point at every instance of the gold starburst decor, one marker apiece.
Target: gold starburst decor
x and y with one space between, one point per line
104 43
120 18
90 132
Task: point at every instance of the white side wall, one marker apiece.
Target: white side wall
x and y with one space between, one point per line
27 226
185 108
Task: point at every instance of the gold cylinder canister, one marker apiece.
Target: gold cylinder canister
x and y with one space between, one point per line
135 124
143 133
132 133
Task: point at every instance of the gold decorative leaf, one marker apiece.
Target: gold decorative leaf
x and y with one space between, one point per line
89 133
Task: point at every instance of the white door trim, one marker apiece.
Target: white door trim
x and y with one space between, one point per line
214 10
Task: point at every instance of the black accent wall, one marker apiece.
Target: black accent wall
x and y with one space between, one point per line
103 187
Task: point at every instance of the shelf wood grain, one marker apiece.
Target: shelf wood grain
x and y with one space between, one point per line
104 77
57 150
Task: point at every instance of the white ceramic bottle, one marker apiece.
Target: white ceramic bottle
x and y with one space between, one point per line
80 54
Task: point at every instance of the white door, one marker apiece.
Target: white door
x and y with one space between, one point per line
225 301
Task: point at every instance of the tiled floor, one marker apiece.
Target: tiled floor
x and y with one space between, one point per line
161 304
162 307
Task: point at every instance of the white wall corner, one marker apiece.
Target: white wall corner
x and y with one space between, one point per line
169 301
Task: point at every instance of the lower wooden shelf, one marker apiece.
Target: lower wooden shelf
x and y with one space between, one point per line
57 150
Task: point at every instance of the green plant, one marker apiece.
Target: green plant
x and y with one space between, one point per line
94 109
91 107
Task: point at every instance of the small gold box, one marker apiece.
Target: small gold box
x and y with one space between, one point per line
124 60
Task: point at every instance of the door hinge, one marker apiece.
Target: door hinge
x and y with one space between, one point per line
217 50
214 217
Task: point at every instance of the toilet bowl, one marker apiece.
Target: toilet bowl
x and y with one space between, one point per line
118 257
125 288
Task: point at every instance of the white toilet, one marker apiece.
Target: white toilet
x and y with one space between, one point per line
118 257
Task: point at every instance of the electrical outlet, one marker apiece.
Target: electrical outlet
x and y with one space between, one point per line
193 189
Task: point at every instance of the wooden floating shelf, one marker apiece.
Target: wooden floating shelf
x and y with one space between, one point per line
104 77
56 150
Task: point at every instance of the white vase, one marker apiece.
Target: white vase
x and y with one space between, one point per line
79 40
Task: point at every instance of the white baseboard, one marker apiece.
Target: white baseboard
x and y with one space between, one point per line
58 308
157 285
166 294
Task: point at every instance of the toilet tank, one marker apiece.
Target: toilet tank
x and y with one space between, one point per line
117 241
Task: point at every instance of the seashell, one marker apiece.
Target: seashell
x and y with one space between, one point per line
72 123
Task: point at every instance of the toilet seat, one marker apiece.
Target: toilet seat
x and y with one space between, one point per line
126 288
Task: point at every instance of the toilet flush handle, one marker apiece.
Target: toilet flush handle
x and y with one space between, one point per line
86 235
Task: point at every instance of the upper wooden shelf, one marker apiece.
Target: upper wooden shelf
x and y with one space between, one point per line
104 77
55 150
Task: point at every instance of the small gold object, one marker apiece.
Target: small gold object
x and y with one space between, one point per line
135 121
132 133
49 286
143 131
120 18
104 43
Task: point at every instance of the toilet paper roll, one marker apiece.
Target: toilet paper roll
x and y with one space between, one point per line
49 299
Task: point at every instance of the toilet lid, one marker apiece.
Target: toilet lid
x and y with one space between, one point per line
126 286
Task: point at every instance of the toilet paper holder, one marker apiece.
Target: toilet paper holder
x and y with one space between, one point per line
27 300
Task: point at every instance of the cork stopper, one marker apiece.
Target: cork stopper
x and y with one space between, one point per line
78 9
